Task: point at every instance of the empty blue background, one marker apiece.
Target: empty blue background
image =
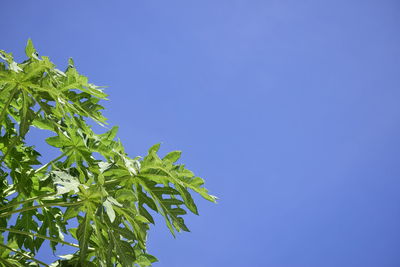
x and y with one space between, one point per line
288 109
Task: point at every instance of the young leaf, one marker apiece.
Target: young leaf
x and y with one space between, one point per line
30 51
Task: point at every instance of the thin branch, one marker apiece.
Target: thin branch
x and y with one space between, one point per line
54 160
55 204
23 254
39 236
8 190
26 201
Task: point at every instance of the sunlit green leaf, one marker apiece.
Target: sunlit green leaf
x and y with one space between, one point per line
65 182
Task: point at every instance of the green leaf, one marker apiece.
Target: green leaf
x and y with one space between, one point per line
172 156
154 149
71 212
108 205
93 181
124 233
189 202
65 183
52 225
26 115
25 222
104 166
43 124
14 67
126 195
123 250
177 211
71 63
11 262
146 214
57 141
30 51
83 234
145 260
132 166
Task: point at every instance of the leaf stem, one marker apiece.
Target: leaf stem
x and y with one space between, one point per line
26 201
8 190
39 236
54 160
61 204
24 255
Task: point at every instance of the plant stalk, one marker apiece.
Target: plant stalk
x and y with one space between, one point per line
26 201
61 204
23 255
39 236
50 162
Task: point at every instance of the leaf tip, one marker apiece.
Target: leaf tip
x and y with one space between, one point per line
30 50
71 63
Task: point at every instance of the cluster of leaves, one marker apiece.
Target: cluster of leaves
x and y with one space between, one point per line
92 192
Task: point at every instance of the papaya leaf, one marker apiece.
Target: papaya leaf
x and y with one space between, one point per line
93 192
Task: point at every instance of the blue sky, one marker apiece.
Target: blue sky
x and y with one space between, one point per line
288 109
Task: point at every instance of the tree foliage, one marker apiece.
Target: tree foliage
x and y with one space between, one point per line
93 191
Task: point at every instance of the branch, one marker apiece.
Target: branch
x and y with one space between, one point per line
23 254
26 201
54 160
8 190
61 204
39 236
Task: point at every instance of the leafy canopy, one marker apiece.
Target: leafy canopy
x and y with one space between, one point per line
93 191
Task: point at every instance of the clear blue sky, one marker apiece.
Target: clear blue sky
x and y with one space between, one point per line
289 109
